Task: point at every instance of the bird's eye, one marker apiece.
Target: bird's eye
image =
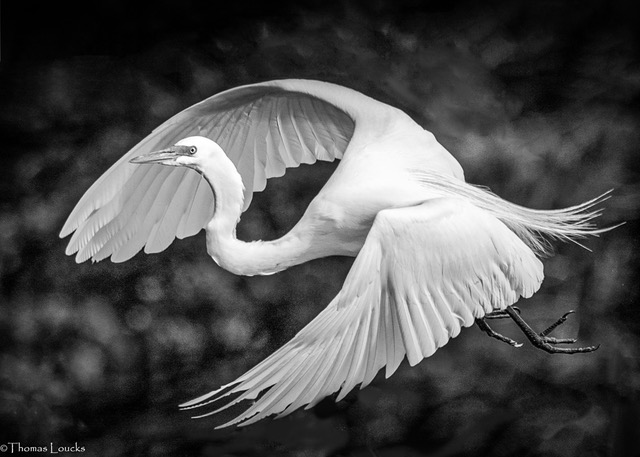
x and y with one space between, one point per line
192 150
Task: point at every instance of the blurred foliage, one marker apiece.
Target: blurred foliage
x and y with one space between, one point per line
539 101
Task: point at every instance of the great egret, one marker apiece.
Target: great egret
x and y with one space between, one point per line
433 253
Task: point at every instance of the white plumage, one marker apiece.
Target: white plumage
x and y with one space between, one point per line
433 253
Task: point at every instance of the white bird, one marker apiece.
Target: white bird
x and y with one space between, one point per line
433 253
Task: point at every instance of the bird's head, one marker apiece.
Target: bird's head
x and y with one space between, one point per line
193 152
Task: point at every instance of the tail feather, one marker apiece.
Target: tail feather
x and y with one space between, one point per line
537 228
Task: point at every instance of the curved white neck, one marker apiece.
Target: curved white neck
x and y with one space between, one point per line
236 256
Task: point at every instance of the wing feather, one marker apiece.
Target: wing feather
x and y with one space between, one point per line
112 234
397 301
354 375
376 357
166 228
133 217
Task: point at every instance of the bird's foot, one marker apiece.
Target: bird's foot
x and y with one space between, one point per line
542 340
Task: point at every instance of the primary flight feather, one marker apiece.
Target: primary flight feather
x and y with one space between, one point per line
433 253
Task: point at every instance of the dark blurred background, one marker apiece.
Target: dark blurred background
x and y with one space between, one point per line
540 101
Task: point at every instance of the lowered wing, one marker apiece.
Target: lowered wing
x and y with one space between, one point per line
423 273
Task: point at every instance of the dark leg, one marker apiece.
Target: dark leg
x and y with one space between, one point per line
492 333
500 314
544 342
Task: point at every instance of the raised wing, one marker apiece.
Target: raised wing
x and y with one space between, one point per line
264 128
423 273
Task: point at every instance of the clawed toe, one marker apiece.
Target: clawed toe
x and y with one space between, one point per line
560 321
548 347
552 340
493 334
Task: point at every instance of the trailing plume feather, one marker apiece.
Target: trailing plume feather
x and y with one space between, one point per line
536 228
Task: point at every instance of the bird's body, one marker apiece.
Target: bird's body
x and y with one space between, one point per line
367 180
432 252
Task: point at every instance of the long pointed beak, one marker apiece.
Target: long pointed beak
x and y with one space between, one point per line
164 156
